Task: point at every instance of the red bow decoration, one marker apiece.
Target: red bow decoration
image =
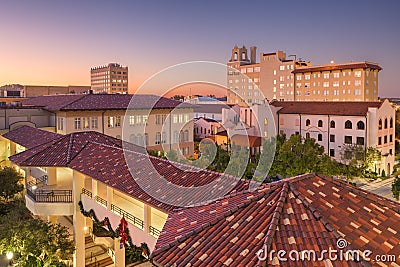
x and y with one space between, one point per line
122 233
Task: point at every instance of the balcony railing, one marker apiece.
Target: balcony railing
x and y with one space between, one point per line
50 196
87 192
100 201
154 231
135 220
43 179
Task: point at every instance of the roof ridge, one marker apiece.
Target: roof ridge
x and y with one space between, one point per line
213 222
276 215
71 137
77 99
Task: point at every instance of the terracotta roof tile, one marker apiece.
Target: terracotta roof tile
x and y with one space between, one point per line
287 222
29 137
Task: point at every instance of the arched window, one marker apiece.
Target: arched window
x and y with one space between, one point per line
360 125
319 137
386 123
176 137
348 125
139 140
333 124
380 124
308 136
320 123
243 55
391 123
308 122
235 56
132 138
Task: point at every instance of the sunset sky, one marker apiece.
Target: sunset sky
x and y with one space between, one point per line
56 42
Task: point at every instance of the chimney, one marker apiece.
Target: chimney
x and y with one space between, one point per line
253 54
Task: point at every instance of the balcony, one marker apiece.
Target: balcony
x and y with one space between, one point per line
48 200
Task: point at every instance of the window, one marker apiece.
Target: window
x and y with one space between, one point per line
86 123
379 141
391 138
131 120
348 139
386 123
385 139
336 84
333 124
186 136
145 118
360 141
380 124
326 84
391 123
360 125
265 121
117 121
175 118
176 137
308 122
326 75
282 67
77 123
332 152
186 117
319 137
357 92
158 138
336 75
348 125
332 138
320 123
307 77
95 123
138 119
357 83
164 137
357 74
158 119
110 122
146 139
308 136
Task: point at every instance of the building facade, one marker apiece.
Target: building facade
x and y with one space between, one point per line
17 90
166 125
243 77
337 125
110 79
351 81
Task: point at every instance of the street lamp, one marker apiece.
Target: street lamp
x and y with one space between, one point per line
9 255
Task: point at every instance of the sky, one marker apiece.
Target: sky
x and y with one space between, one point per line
57 42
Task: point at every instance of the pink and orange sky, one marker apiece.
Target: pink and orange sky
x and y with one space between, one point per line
57 42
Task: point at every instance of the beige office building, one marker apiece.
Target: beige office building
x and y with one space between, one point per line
276 77
241 88
111 79
272 76
352 81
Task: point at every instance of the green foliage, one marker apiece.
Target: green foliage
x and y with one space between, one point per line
9 183
396 187
34 242
383 173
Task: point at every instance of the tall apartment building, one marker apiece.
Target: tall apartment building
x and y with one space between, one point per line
276 77
272 75
241 87
351 81
110 79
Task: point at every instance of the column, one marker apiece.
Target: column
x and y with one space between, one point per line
78 220
13 148
94 188
52 175
119 253
110 197
147 218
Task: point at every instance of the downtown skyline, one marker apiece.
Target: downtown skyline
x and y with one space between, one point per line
56 43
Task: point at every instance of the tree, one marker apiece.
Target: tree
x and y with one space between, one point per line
33 241
396 188
373 158
10 183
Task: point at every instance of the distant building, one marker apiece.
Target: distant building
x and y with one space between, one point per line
272 75
204 127
18 90
336 124
111 79
205 100
209 111
351 81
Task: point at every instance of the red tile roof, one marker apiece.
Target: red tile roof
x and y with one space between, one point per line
29 137
102 102
342 66
102 158
309 212
325 108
